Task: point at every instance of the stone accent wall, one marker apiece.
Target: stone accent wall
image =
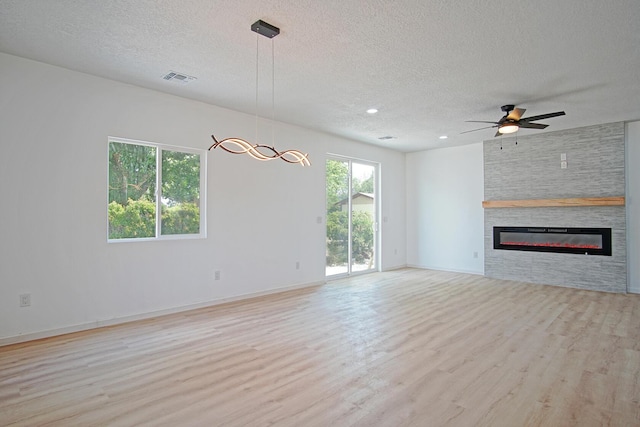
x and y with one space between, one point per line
531 169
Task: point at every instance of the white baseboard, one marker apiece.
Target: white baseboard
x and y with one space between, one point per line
396 267
141 316
430 267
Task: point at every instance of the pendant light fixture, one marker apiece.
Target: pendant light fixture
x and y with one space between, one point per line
261 151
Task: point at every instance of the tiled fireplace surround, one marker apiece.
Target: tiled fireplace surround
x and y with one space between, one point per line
531 169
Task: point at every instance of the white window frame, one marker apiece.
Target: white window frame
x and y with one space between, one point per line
378 212
203 190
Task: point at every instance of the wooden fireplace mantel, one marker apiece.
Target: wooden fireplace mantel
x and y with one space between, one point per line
540 203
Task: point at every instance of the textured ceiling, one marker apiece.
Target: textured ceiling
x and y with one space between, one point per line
426 65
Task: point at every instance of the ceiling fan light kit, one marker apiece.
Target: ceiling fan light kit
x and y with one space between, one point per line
508 128
261 151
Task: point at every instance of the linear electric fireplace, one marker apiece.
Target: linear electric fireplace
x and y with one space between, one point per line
588 241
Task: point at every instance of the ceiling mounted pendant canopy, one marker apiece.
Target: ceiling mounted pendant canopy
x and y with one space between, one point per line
261 151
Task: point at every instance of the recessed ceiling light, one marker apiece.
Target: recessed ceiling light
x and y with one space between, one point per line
372 110
444 137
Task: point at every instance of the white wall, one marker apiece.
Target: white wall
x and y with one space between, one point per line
53 169
633 205
444 209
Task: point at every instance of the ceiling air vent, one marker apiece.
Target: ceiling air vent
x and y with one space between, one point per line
178 78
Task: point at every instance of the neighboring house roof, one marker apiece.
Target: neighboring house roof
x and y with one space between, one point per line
355 196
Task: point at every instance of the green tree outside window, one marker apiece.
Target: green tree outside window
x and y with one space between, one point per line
133 196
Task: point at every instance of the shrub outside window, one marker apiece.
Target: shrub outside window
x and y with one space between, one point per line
156 191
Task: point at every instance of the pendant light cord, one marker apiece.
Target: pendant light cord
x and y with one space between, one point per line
257 58
273 88
273 93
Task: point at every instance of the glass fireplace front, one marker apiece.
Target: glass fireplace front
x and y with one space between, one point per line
588 241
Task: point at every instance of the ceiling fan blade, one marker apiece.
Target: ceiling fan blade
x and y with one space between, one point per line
473 130
542 116
528 125
497 134
516 114
480 121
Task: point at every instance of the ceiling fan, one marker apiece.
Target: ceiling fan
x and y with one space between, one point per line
512 120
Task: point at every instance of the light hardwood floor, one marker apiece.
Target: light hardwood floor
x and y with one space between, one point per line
403 348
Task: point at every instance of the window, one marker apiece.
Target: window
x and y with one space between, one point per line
155 191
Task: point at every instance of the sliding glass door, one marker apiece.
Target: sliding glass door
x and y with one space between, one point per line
352 224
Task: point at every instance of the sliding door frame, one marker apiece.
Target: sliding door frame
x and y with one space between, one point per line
376 217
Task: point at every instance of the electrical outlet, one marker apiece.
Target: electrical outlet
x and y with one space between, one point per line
25 300
216 275
297 265
475 254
